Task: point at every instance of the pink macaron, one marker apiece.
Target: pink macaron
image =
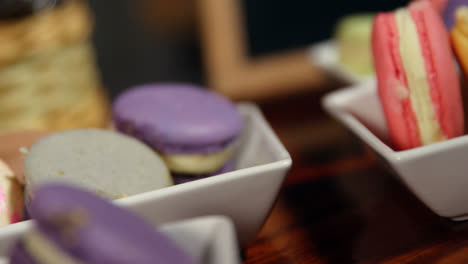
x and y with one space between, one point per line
438 4
417 80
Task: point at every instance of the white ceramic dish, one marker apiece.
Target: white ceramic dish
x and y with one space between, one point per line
436 174
245 195
210 239
325 54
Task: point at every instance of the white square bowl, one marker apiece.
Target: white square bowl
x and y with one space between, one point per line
245 194
436 174
209 239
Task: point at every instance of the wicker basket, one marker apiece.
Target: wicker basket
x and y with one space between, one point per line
48 75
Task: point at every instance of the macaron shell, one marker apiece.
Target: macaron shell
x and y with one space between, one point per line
352 35
18 255
392 85
439 5
440 66
105 234
180 115
108 163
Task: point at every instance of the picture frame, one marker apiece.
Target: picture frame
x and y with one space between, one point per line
232 72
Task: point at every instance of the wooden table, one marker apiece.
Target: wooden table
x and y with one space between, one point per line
339 205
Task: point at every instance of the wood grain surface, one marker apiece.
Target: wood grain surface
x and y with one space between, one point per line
339 205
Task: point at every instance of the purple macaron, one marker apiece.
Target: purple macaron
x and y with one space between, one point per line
178 119
82 227
450 10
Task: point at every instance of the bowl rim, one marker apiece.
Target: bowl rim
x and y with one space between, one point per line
283 163
336 102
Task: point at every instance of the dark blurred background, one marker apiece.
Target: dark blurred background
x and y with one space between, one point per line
132 50
277 25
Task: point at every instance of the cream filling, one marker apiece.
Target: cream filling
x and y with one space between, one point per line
419 89
197 163
43 251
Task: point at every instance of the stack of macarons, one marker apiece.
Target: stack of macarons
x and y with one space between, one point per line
165 134
418 84
76 226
